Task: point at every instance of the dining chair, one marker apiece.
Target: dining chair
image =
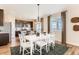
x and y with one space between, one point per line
23 32
51 40
23 44
31 39
41 43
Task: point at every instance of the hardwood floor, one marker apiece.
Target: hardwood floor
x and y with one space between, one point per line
5 50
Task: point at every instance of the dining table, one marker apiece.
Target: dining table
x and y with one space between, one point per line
34 38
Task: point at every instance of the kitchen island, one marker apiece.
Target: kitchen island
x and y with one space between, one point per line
4 38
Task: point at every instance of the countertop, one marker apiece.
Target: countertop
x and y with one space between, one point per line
3 32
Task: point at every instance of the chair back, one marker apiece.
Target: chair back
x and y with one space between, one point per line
22 39
23 32
51 38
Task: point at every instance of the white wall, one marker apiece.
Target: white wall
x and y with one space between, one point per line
9 17
72 36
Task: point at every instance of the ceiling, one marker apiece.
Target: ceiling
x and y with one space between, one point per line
29 11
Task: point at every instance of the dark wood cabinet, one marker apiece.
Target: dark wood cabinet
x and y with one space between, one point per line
1 17
4 38
21 23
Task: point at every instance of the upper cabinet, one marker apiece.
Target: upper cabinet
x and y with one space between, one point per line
1 17
21 24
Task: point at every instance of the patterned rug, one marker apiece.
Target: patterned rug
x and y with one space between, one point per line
58 50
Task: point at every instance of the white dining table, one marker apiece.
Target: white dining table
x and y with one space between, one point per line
33 38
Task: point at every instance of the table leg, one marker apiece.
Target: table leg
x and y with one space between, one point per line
31 47
46 48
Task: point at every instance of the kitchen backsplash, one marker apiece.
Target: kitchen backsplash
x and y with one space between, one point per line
5 27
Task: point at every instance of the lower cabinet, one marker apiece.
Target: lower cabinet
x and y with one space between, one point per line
4 39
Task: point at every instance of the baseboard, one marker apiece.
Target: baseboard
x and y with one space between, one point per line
70 43
73 44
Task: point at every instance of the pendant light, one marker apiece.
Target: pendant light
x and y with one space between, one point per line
38 19
38 23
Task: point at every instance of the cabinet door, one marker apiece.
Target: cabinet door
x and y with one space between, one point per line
4 39
1 17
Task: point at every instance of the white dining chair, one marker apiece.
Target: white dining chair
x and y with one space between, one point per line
23 44
23 32
41 43
31 39
51 40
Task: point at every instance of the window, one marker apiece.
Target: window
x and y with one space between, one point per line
38 27
59 23
53 24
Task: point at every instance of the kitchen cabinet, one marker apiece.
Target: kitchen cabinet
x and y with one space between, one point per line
1 17
4 38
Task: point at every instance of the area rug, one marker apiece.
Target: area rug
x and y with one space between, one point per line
58 50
